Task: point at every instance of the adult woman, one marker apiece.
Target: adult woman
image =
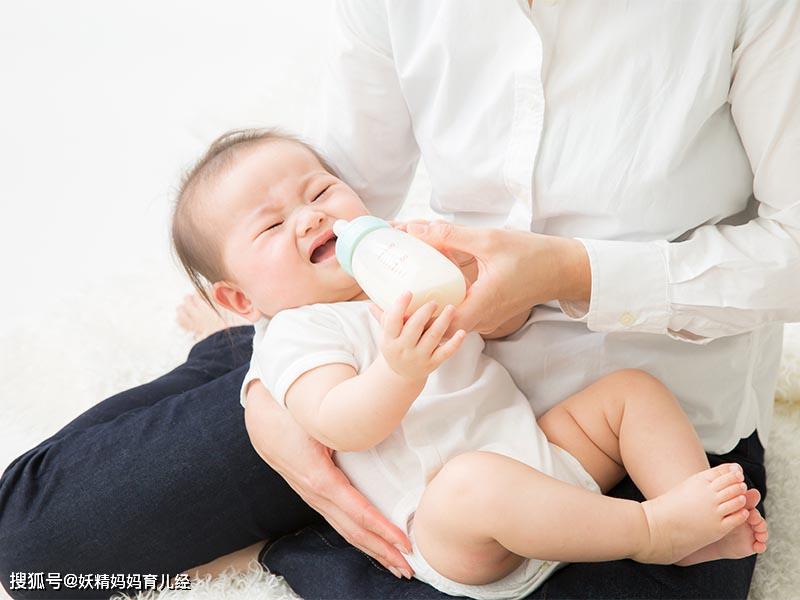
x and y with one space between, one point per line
632 150
651 132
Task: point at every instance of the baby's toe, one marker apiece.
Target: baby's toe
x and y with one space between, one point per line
727 479
732 491
753 498
734 519
761 533
733 505
721 470
181 316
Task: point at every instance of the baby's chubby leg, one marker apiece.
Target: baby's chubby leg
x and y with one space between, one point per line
484 512
628 421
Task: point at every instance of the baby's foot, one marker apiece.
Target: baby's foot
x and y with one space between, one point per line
198 318
695 513
746 539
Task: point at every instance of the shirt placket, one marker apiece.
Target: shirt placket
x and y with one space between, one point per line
526 131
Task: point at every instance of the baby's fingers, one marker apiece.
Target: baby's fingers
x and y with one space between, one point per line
393 318
433 335
446 350
415 324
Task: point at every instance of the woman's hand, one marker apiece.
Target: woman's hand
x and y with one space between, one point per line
308 468
463 260
515 270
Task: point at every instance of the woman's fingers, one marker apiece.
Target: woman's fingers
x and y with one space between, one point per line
362 524
474 308
374 546
444 236
349 530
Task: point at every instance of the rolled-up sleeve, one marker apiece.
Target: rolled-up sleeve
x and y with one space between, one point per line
724 279
362 124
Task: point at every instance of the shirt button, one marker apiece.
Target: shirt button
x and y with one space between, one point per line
626 319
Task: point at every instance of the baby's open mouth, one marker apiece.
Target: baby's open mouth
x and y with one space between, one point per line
325 251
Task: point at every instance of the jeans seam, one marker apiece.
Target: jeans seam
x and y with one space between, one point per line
372 562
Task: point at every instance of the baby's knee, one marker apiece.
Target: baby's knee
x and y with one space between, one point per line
462 481
635 385
450 522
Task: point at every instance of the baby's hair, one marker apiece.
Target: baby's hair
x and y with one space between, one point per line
200 255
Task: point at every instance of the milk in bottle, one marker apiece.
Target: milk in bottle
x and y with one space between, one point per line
386 262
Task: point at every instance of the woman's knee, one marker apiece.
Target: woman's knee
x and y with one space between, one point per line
23 548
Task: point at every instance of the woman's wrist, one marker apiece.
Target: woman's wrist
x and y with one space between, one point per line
575 272
560 270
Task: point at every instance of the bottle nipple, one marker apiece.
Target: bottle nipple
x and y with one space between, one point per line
339 226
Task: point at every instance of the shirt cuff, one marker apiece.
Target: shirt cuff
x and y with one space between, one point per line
630 287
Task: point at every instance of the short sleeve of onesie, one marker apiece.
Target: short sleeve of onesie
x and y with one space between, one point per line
295 341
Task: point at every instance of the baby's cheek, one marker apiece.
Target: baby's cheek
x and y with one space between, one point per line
348 206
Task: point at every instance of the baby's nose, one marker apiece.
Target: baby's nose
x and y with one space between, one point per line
310 219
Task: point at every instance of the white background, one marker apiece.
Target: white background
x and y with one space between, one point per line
104 103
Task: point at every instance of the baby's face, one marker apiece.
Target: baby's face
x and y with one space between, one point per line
273 210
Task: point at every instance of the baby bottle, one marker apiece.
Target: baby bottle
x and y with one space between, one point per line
386 262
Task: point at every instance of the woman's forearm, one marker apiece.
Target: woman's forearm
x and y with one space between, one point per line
362 411
554 268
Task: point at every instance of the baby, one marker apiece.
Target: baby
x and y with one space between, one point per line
434 432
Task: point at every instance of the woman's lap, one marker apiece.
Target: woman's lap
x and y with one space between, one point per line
155 480
318 563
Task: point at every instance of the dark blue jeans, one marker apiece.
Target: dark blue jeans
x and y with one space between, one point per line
162 478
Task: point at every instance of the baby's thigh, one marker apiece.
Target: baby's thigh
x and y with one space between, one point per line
586 426
451 523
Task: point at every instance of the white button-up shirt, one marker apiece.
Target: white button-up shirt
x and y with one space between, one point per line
663 135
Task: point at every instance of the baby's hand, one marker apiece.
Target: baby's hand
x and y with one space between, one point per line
411 349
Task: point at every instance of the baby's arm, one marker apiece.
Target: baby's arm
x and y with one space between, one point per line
349 412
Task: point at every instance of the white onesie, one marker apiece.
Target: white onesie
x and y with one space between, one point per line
469 403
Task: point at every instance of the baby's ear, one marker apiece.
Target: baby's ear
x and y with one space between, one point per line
235 300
